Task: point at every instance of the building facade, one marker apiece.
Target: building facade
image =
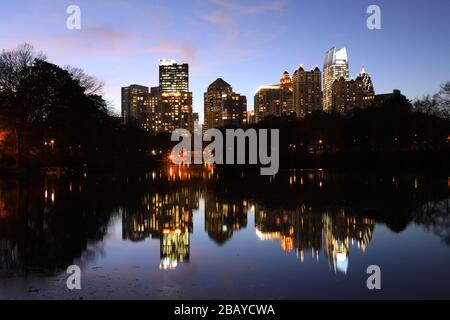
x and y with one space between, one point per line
175 111
213 103
234 110
352 94
381 99
287 93
134 103
163 108
268 102
223 107
173 77
307 91
335 67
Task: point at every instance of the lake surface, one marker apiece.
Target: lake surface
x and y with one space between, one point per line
195 233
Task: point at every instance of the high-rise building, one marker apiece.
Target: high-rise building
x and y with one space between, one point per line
175 109
213 103
151 120
351 94
307 91
365 92
223 107
134 103
287 93
175 100
335 67
234 110
268 102
343 95
164 108
173 77
275 100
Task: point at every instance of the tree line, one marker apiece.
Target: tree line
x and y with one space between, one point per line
57 116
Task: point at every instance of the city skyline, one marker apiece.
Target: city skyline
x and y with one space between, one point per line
227 39
235 150
168 106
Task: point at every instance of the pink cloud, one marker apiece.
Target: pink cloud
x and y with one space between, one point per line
89 41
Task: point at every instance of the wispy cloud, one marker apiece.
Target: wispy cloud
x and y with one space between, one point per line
181 51
227 23
233 42
252 7
88 42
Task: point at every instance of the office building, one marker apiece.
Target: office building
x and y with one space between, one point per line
134 103
352 94
213 103
223 107
234 110
307 91
173 77
287 93
164 108
335 67
268 102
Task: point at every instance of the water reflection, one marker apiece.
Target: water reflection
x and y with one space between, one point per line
166 216
46 225
308 230
223 217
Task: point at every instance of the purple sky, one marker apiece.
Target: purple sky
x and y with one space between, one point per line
248 43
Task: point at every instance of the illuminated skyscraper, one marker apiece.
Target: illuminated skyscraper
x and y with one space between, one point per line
234 110
275 100
134 103
175 100
268 102
213 103
175 109
223 107
164 108
307 91
348 95
287 93
173 77
335 67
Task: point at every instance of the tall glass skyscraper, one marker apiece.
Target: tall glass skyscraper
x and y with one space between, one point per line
335 67
173 77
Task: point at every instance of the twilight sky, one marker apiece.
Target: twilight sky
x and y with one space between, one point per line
246 42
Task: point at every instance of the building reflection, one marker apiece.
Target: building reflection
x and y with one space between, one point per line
167 216
306 230
48 224
340 233
184 173
224 218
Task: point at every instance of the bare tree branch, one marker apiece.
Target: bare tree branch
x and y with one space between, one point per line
92 84
14 65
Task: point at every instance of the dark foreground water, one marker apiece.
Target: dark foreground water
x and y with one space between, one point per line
182 233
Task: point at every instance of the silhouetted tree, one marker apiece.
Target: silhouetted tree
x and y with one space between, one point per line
427 105
15 65
443 99
91 84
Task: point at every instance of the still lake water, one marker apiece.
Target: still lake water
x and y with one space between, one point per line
193 233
